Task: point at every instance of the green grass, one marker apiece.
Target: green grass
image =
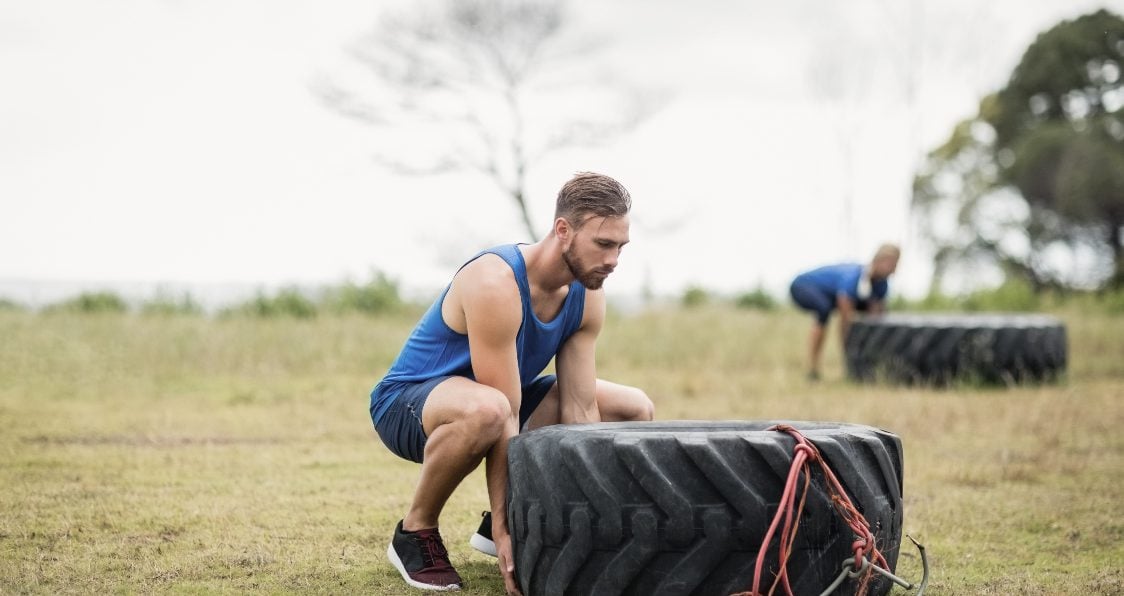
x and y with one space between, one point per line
185 454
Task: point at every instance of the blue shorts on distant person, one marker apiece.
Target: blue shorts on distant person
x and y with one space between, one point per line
400 427
810 297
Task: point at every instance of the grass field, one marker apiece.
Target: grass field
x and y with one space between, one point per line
196 455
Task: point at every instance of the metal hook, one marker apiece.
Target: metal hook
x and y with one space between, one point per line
849 571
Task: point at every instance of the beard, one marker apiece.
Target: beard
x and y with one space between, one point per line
589 277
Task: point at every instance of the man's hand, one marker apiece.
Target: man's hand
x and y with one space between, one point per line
506 562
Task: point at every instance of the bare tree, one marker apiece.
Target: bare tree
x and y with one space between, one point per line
490 86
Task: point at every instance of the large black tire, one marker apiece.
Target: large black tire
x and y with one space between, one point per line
945 348
682 507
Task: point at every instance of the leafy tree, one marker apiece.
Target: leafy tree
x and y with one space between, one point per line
490 86
1039 171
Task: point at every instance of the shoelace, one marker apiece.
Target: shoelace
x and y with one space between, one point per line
433 550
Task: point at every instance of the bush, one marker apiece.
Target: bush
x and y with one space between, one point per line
932 302
1112 302
1014 296
91 302
165 305
694 297
289 302
757 299
7 305
380 295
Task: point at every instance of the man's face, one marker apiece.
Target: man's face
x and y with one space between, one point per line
883 267
594 249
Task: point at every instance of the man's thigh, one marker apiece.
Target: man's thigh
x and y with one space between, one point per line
400 427
420 408
811 298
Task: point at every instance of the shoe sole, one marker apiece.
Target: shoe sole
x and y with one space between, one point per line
394 560
482 544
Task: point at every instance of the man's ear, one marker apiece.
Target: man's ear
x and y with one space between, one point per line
562 229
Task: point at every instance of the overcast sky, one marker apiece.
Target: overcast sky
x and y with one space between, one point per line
178 141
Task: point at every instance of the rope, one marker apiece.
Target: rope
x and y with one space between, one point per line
866 554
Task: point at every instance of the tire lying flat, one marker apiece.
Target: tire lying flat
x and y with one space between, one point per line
682 507
945 348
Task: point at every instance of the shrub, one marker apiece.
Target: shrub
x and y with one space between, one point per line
695 296
380 295
163 304
91 302
757 299
1113 301
288 302
932 302
1014 295
7 305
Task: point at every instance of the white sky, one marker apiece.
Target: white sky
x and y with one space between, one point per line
177 141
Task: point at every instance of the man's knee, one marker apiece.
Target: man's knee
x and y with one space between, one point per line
488 410
647 407
640 406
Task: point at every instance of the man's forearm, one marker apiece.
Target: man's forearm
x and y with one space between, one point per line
844 326
846 313
496 473
574 413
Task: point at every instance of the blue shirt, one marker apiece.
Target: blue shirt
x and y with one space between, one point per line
843 278
434 350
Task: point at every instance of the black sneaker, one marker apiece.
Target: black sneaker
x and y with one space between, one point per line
482 539
422 560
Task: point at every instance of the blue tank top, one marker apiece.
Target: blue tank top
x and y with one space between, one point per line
843 278
434 350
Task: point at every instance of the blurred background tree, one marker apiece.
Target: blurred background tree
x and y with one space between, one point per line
1034 183
488 86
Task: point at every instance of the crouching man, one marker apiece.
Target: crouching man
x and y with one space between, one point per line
469 377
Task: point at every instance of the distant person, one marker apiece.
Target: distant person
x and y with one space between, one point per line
848 287
468 378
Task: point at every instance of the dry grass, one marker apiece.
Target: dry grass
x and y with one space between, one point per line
195 455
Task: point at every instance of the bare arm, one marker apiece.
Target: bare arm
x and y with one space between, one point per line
492 315
876 306
576 365
846 315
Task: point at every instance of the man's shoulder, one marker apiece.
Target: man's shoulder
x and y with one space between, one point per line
833 270
486 281
846 271
486 269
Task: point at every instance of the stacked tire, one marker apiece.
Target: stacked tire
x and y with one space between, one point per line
683 507
941 349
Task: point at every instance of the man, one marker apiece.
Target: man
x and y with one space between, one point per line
848 287
468 379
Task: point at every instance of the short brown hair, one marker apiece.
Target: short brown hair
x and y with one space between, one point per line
590 194
888 251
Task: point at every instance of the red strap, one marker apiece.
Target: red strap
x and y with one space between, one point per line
790 511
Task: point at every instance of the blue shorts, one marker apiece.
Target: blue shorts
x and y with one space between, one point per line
809 297
400 426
